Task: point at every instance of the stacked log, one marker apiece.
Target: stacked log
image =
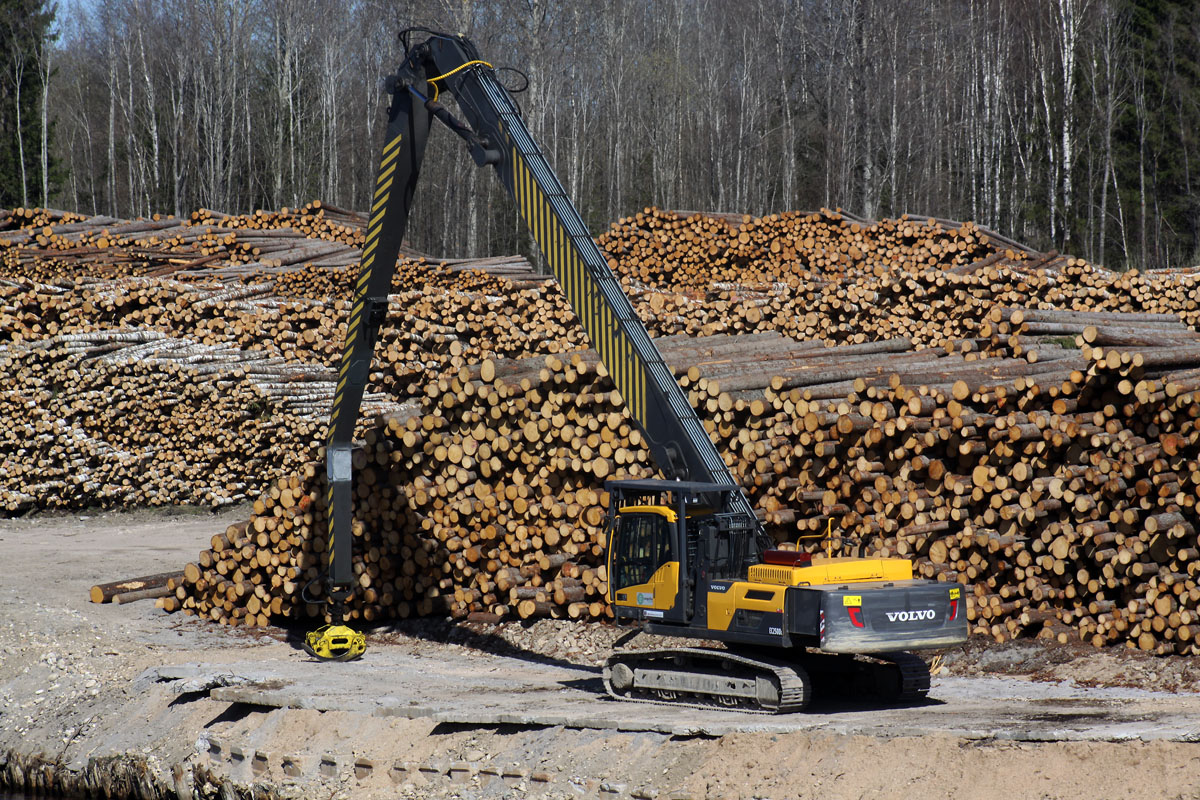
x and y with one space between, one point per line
486 502
317 237
675 249
107 247
1022 422
133 417
840 279
1068 516
702 286
21 218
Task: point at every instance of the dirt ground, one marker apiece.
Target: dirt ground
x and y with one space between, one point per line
75 692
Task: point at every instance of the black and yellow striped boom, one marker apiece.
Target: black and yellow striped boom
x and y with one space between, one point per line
496 135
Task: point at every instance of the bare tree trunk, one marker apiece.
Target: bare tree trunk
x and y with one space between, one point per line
18 79
1143 126
134 163
1046 81
152 118
112 132
175 99
1069 16
1110 46
45 54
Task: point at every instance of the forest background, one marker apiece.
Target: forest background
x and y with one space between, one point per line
1070 124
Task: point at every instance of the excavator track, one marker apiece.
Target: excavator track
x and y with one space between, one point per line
727 680
914 676
882 677
701 678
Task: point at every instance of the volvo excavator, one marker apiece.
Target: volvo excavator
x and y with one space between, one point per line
687 557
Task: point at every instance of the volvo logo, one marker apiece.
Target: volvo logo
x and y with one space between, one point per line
910 616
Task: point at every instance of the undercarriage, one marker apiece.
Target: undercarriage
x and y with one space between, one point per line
752 680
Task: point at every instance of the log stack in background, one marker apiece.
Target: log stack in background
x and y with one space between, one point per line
15 219
132 418
1063 490
1022 422
674 249
840 279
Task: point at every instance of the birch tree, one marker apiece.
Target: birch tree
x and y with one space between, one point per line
1066 123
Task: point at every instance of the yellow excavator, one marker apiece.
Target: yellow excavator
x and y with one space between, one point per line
687 557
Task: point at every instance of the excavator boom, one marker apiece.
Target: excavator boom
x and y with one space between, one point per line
496 136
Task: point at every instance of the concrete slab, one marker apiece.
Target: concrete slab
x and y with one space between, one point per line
487 690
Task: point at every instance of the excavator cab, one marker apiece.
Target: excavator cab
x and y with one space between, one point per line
643 560
645 550
665 538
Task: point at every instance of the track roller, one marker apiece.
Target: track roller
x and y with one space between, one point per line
702 678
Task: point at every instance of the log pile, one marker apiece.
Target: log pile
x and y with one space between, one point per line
1063 489
704 284
106 247
47 245
133 418
1022 422
20 218
1065 496
675 249
195 390
267 361
837 278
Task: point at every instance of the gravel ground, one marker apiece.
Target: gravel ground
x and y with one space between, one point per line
74 693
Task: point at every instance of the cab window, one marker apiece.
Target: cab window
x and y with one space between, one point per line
643 545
